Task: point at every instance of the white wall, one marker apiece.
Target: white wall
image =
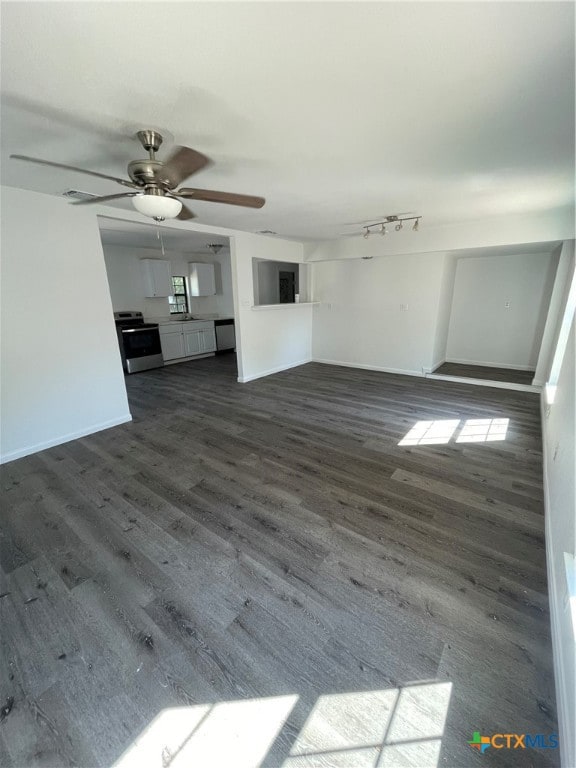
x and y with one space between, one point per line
127 286
61 373
558 299
360 321
482 329
268 339
267 281
559 426
444 310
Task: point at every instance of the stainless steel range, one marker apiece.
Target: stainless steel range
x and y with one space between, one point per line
139 342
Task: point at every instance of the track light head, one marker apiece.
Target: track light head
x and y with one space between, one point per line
367 234
383 231
398 226
416 226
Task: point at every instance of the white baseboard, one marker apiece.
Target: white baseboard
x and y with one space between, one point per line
565 727
490 365
187 359
21 452
365 367
485 383
270 371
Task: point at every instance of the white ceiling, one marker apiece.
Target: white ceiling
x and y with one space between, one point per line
145 235
335 112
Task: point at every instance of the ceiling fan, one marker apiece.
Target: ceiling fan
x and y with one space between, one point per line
155 181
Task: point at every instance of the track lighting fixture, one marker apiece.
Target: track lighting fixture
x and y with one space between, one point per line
395 220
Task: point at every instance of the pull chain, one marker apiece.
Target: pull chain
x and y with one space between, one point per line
159 236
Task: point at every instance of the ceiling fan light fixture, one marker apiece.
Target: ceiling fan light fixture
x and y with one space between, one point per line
157 207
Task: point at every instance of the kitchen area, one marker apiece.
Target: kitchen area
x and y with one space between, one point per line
171 293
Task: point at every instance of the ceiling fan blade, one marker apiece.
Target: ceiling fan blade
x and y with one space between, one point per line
37 160
182 163
211 196
104 198
185 214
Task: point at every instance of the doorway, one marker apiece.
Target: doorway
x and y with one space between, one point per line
287 287
496 303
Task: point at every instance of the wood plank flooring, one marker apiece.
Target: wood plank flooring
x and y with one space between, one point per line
266 566
489 373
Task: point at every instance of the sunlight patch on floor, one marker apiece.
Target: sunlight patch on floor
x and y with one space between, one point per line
431 432
483 431
441 431
393 727
230 733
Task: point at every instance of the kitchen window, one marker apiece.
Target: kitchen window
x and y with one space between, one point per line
179 299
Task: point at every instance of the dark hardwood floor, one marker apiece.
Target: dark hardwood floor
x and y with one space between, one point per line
511 375
263 574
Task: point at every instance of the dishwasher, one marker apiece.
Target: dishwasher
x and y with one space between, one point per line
225 335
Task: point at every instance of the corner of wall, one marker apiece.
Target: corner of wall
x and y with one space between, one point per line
560 536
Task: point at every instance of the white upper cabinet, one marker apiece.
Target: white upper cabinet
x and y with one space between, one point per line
202 282
157 275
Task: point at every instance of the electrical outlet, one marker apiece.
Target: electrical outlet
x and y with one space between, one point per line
507 304
404 307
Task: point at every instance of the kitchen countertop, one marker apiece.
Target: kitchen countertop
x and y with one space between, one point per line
170 320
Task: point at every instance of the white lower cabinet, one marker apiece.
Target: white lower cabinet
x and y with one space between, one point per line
192 343
209 339
180 340
172 345
199 341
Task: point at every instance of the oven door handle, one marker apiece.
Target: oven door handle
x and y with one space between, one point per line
138 330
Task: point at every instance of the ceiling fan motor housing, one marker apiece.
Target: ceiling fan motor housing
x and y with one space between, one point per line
144 172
